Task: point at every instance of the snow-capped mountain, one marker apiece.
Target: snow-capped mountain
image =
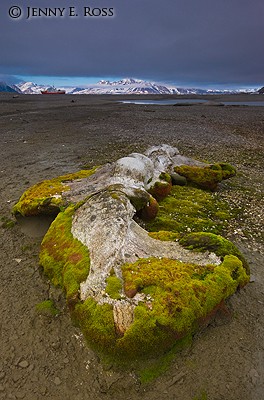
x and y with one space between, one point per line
137 86
7 88
125 86
30 88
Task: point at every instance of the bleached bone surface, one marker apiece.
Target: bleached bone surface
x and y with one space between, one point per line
105 224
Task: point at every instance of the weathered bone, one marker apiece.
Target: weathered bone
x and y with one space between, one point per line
105 224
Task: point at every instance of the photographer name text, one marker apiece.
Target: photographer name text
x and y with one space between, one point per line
16 12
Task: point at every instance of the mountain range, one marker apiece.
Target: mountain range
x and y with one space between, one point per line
123 86
7 88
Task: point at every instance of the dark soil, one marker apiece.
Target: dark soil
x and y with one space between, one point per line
44 356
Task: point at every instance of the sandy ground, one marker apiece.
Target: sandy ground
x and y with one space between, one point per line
44 357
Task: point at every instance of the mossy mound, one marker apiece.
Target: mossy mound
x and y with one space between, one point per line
206 177
181 296
65 260
45 197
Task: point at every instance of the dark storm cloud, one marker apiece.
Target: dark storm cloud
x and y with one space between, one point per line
200 41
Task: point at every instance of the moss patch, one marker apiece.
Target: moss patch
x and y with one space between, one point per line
183 295
202 241
97 324
165 235
114 287
189 209
65 259
153 368
47 308
206 177
7 223
45 197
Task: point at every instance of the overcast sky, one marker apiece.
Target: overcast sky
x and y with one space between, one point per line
182 42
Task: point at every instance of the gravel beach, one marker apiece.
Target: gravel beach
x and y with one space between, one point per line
43 357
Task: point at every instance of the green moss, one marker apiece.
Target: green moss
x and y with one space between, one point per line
183 295
228 171
65 259
113 287
48 308
189 209
202 241
153 368
165 177
45 197
7 223
165 235
206 177
97 323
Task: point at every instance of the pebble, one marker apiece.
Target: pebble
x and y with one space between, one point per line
20 395
2 375
57 381
31 367
23 364
2 388
43 390
16 376
254 375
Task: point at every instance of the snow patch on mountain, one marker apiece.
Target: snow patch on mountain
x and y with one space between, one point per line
31 88
126 86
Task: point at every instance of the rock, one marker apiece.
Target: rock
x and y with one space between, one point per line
150 210
254 376
23 364
178 179
20 394
57 381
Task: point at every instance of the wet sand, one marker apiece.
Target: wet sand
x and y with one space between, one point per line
46 136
